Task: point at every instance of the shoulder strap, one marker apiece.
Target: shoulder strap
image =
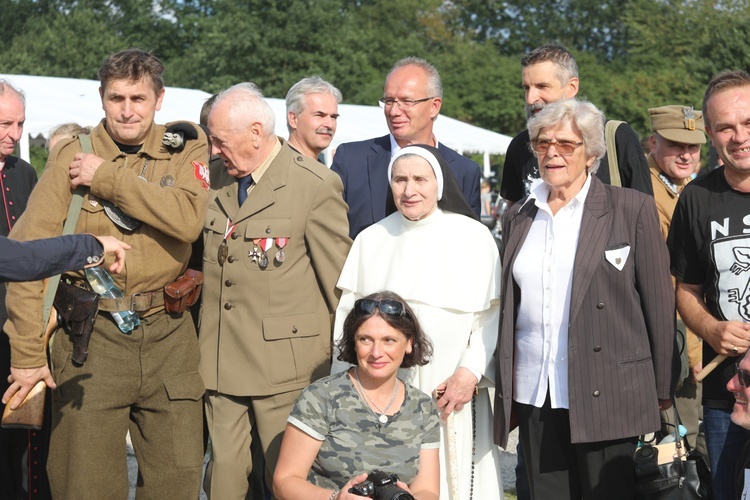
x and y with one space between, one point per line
70 224
609 139
86 146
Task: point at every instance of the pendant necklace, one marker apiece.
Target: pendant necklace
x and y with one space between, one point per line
382 418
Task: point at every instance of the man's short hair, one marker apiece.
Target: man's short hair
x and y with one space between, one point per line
295 101
723 81
434 85
206 109
6 86
249 105
132 65
566 64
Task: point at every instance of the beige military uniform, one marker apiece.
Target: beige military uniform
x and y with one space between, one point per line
265 330
688 396
146 381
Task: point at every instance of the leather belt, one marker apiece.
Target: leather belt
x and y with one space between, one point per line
138 302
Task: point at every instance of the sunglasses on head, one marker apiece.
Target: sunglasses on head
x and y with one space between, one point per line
391 308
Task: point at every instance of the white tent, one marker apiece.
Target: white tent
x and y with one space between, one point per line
51 101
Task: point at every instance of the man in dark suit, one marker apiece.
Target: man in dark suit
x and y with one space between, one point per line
275 241
411 100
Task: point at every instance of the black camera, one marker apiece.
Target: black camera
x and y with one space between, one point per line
380 486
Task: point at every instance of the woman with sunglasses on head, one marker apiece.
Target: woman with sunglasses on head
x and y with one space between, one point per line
587 335
444 262
347 425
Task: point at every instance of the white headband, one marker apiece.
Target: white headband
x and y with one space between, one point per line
422 153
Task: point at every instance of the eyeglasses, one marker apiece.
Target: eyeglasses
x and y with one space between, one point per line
391 308
563 148
742 376
387 102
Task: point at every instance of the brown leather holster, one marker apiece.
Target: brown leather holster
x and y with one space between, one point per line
76 313
183 292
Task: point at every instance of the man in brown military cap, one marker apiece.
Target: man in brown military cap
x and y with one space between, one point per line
677 135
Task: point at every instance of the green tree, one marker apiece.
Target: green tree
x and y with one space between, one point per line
274 44
483 87
70 38
593 26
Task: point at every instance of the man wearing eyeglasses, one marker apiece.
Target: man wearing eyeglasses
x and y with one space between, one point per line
412 98
550 74
709 244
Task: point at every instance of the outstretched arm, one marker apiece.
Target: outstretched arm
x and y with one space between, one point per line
37 259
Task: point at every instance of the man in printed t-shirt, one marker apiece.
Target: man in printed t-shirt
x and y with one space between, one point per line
710 250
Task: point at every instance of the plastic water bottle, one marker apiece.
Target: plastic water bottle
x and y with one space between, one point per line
103 284
669 438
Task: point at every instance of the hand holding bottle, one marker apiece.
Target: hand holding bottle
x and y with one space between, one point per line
113 246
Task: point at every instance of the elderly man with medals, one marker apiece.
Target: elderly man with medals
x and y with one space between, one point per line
275 239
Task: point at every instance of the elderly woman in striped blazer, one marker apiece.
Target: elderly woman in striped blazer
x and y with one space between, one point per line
587 330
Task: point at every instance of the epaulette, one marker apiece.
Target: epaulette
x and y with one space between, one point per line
177 134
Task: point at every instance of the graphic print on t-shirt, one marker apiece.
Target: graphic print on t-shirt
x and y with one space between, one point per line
731 258
531 180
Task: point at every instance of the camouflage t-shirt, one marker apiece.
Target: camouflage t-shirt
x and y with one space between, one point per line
353 441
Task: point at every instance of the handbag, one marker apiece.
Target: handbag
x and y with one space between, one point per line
683 477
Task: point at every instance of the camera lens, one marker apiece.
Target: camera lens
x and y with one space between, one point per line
391 492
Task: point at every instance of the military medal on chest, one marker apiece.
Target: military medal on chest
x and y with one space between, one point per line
256 254
224 248
223 252
281 243
265 246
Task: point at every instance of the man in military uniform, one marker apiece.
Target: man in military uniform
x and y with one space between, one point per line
677 135
146 381
312 108
276 238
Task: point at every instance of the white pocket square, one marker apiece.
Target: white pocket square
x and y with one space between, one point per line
618 256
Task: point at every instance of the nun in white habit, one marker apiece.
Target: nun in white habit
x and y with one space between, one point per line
445 264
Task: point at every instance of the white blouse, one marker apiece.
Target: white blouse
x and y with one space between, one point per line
543 271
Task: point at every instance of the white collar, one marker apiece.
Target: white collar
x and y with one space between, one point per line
395 148
540 193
